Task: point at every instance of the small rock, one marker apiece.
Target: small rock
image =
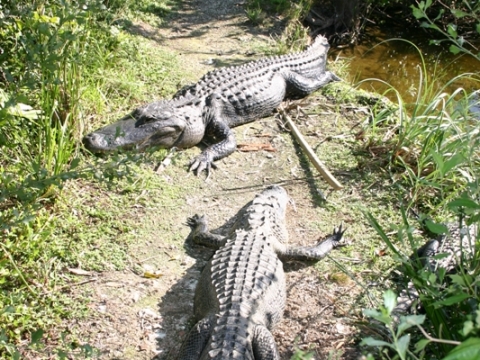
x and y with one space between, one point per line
135 296
148 267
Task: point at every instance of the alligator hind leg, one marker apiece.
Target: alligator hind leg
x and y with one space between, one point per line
263 344
302 85
317 252
196 340
201 235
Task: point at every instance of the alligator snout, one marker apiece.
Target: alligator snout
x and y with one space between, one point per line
95 142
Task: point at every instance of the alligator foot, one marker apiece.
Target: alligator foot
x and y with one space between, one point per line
336 236
204 161
317 252
200 234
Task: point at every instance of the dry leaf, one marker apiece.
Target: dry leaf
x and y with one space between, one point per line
150 275
255 147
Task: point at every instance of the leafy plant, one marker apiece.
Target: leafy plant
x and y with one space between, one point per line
65 55
464 11
437 332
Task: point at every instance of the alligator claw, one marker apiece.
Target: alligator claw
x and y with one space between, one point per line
338 234
195 221
200 163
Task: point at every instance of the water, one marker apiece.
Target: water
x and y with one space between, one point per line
398 63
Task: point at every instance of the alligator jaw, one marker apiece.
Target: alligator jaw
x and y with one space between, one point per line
131 133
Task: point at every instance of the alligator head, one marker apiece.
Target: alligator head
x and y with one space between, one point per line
155 124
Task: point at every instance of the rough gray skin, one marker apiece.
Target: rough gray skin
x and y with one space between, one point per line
241 293
456 245
221 100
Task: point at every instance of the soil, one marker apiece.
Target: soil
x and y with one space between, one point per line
134 317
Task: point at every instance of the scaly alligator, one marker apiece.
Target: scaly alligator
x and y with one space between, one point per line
222 99
456 246
241 292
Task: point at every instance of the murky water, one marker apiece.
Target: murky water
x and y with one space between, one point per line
399 63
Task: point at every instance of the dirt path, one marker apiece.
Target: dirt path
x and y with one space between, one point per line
133 317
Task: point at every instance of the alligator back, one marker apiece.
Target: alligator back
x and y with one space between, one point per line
244 286
244 282
247 92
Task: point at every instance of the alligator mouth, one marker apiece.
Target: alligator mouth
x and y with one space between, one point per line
101 143
124 134
131 134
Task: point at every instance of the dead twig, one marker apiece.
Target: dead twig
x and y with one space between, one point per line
166 161
93 279
322 169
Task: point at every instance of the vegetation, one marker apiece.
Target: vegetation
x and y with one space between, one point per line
68 55
431 148
344 21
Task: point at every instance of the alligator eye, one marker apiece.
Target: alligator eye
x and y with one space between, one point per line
166 115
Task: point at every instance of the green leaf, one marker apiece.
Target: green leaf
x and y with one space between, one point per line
454 49
415 319
369 341
390 300
459 13
402 345
452 299
467 327
428 4
467 350
417 12
425 25
437 158
454 161
457 279
74 163
452 30
440 13
441 274
402 327
419 346
377 315
36 336
466 203
435 227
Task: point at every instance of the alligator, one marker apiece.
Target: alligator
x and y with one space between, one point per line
241 293
222 99
445 251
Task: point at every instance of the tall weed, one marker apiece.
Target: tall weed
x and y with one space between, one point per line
432 143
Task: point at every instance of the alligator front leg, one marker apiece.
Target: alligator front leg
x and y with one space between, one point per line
263 344
201 235
309 253
226 146
196 340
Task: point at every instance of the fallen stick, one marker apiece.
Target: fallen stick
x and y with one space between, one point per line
165 162
327 175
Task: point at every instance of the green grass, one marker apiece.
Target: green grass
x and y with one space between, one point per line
55 213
